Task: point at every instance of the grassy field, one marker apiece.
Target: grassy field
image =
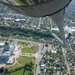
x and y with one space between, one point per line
23 60
12 67
27 49
20 72
23 43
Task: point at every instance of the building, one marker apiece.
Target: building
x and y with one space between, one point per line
6 52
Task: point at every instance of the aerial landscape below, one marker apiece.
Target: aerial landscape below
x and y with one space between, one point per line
35 45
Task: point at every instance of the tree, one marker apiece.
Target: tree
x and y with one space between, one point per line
1 70
28 67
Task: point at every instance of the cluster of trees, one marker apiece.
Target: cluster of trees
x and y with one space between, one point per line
23 32
1 70
28 67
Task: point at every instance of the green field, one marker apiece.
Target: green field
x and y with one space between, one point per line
12 67
20 72
27 49
23 60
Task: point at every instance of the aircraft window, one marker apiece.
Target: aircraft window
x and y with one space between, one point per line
24 2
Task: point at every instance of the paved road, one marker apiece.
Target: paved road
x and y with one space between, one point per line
27 54
66 62
39 57
28 20
39 23
25 41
